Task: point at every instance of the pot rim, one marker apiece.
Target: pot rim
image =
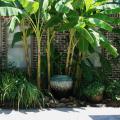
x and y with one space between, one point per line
61 78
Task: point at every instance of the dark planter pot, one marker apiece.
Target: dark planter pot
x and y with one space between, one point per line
61 85
96 99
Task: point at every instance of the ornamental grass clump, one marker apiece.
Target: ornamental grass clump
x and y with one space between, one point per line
17 91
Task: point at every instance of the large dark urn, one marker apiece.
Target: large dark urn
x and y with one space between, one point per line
61 85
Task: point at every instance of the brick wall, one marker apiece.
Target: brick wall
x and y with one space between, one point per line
3 44
61 43
115 62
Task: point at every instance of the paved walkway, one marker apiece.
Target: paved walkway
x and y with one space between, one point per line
62 114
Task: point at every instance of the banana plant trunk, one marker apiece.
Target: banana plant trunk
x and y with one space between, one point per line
78 74
50 37
26 48
48 57
39 63
69 51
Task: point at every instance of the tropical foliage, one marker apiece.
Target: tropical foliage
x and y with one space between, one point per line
112 89
85 20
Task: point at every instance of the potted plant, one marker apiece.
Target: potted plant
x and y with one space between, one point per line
94 91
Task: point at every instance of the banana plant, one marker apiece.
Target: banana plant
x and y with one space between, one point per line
37 18
7 8
25 15
51 18
34 19
86 18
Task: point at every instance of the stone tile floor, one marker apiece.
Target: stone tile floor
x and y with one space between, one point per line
88 113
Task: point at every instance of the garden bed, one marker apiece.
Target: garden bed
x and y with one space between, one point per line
70 102
78 68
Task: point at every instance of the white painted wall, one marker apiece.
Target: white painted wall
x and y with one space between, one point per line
16 54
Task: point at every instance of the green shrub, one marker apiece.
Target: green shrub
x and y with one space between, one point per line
113 89
94 89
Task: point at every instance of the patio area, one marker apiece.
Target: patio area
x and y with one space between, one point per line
88 113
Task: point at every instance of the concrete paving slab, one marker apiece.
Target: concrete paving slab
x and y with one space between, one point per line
88 113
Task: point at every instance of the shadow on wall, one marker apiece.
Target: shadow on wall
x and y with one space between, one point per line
105 117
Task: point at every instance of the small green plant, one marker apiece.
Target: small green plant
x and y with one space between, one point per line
113 89
94 89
